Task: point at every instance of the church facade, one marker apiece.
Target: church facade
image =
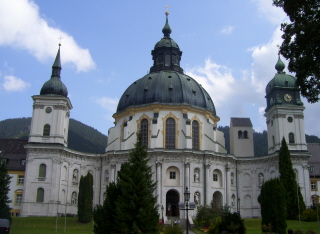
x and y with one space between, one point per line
178 122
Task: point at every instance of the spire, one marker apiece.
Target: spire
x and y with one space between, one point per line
166 29
280 66
56 67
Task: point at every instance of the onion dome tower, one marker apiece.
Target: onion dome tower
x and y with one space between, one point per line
165 91
284 111
51 110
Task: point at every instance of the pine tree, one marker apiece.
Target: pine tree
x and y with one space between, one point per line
273 207
4 189
85 198
104 216
136 208
294 199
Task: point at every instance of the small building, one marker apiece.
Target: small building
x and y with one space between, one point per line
14 152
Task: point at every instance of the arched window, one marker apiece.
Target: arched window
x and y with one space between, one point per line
291 138
240 134
170 133
144 132
40 195
42 172
245 134
46 130
195 135
167 60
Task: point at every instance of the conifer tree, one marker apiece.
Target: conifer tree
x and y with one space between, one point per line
104 216
4 189
85 198
294 199
273 207
136 208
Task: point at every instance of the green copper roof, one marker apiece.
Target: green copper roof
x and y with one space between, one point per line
281 79
54 86
166 84
168 88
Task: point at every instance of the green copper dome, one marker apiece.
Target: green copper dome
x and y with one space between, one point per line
166 84
54 86
281 79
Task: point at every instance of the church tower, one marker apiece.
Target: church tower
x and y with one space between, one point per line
51 110
284 112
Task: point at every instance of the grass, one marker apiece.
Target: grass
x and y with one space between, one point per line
47 225
253 226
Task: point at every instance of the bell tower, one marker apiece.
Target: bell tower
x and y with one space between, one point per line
284 112
51 110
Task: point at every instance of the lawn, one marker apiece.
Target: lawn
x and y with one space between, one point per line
253 226
47 225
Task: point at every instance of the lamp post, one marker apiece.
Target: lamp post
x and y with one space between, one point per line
238 206
162 214
186 201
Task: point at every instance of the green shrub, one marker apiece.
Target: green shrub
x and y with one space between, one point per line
309 215
298 232
310 232
205 216
174 229
230 223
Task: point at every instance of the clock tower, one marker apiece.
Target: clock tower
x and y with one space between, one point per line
284 112
51 110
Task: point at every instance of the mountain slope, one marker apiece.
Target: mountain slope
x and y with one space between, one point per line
81 137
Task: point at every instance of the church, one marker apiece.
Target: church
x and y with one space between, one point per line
178 123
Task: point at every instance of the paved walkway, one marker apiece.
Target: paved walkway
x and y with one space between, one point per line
190 232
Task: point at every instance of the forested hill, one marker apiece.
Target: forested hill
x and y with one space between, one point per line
81 137
87 139
260 141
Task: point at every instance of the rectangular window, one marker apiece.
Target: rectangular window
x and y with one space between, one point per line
20 179
23 162
313 185
172 175
215 177
18 199
311 168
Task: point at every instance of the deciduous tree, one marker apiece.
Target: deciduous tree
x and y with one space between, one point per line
301 45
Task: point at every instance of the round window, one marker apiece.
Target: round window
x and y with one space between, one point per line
290 119
48 110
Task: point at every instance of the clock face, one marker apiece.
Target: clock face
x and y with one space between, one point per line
287 97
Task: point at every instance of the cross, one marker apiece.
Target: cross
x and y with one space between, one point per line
167 8
60 38
279 49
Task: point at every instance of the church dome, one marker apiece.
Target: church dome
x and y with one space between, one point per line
281 79
166 84
54 86
166 88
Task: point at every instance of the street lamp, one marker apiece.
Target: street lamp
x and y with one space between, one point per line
238 206
162 214
186 200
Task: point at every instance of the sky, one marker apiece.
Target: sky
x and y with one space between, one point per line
229 47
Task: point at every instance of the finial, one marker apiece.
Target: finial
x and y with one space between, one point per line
167 10
278 50
60 38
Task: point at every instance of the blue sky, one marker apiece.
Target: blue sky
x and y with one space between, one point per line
229 47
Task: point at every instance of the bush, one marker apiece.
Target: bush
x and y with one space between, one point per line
309 215
205 216
298 232
310 232
175 229
230 223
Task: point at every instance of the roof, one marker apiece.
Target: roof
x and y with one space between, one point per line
166 88
314 160
13 150
243 122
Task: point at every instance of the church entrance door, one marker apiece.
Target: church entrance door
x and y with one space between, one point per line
172 201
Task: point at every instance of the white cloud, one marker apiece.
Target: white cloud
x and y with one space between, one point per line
21 26
110 104
275 15
227 30
12 84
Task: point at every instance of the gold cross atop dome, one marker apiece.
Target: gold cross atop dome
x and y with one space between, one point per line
60 38
167 11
